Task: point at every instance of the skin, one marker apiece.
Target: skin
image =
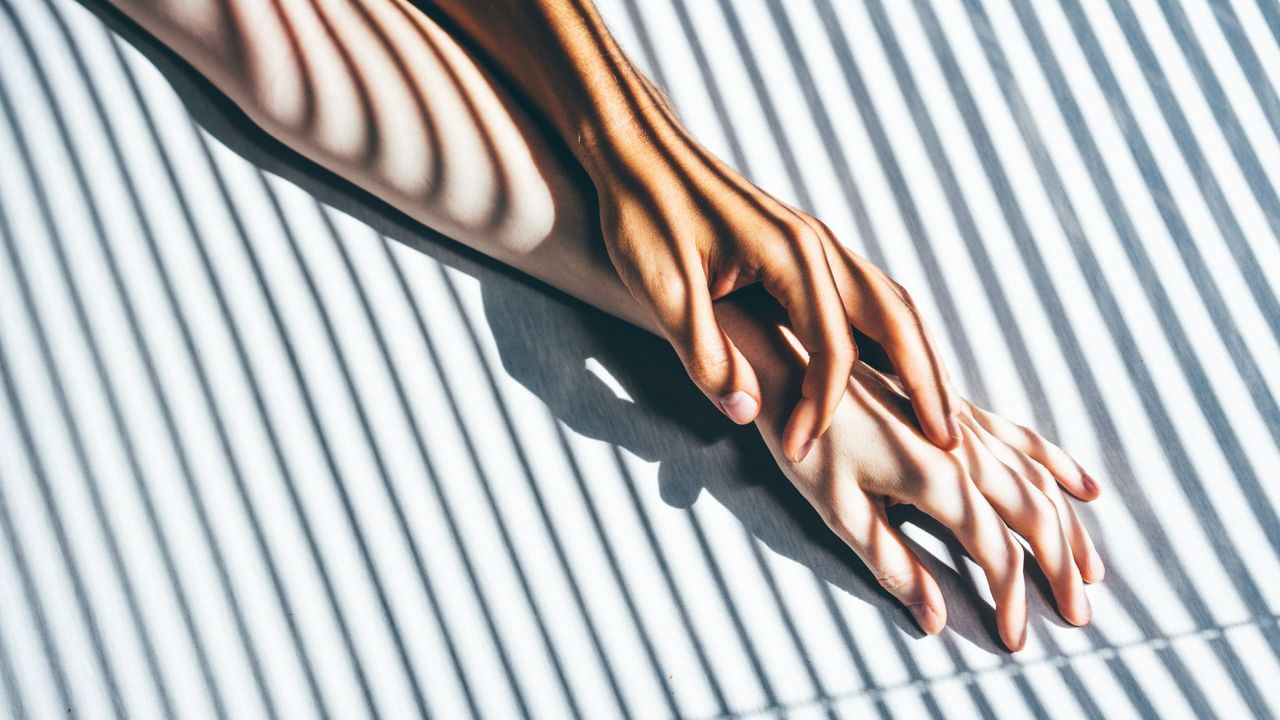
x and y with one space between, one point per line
379 93
683 229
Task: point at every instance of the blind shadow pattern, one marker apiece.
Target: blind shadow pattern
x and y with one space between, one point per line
265 452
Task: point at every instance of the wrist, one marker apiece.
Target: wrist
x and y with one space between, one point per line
627 134
619 144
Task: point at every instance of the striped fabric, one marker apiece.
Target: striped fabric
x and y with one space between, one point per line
259 459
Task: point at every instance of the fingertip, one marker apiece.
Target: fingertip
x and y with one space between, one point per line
802 452
1096 574
1090 487
951 440
939 424
1011 619
931 613
1013 633
799 435
938 431
1094 569
930 620
1081 611
740 407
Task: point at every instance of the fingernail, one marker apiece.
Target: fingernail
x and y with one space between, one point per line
740 407
1016 644
1084 610
1096 567
928 620
1090 485
803 452
953 427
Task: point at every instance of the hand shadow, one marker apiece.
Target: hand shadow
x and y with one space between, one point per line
545 342
545 339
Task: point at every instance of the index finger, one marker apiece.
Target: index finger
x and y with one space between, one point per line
800 279
884 311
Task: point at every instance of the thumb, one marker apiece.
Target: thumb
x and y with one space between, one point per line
686 316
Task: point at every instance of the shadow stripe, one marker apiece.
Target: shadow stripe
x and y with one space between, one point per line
161 542
401 519
826 129
624 591
295 498
943 170
91 482
366 555
739 160
1104 183
1223 110
282 595
976 247
70 563
1192 154
1270 10
194 361
1176 225
944 301
1120 333
527 471
1248 61
14 701
735 619
30 593
473 456
219 421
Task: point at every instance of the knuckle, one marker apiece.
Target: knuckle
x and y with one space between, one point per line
1046 513
831 507
911 319
823 230
914 484
907 326
1048 530
841 350
1039 476
707 369
969 526
667 288
907 298
896 582
1015 556
804 238
1030 437
838 523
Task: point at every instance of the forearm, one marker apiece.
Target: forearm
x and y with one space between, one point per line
491 157
562 56
379 94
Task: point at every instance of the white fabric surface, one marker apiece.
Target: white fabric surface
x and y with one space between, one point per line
257 460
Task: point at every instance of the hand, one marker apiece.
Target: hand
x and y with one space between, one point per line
683 230
1001 480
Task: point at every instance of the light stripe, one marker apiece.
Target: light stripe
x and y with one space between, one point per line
259 459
